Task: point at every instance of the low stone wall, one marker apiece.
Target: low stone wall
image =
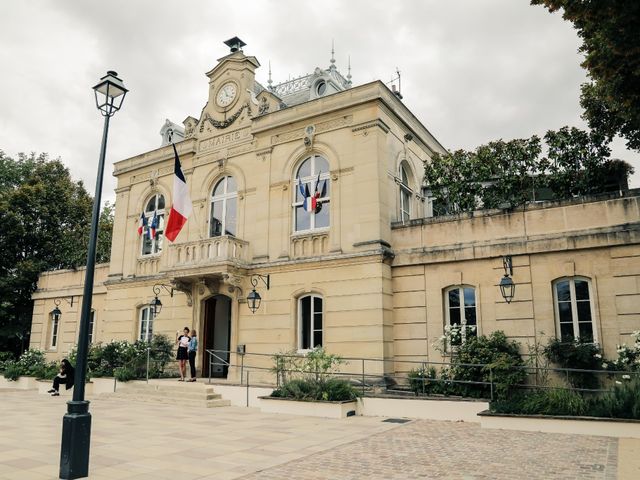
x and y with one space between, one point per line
606 427
21 383
238 395
308 409
426 409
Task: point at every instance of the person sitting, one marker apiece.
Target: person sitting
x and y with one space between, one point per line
65 376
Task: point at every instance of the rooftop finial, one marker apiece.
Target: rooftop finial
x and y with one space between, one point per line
270 82
333 58
349 71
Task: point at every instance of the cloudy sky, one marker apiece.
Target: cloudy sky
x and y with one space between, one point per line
472 70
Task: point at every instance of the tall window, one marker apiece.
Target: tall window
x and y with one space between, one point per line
55 326
310 322
461 316
146 323
224 208
153 210
311 187
405 195
574 312
92 317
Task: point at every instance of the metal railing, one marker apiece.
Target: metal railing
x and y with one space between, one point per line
371 374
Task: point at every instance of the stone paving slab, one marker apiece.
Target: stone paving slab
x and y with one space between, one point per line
136 440
447 450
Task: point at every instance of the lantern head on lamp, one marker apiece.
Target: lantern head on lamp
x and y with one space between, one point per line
507 288
254 298
157 306
56 313
110 93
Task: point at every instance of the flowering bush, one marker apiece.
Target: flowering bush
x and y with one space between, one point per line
32 363
628 357
577 354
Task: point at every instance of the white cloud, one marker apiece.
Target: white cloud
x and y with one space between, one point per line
471 71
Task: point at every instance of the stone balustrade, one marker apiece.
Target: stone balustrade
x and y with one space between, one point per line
208 251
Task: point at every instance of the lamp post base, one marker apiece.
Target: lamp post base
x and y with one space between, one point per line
76 439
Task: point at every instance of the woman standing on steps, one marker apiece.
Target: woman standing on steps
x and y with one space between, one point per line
192 349
183 355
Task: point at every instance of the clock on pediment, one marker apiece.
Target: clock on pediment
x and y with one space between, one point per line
231 87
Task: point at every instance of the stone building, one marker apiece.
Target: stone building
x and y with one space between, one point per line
363 271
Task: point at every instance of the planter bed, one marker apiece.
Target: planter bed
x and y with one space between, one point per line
21 383
452 409
606 427
310 408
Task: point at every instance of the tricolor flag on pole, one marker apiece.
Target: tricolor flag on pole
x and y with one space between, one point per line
310 200
142 224
154 225
181 208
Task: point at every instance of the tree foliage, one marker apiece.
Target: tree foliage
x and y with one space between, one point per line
509 173
611 46
46 218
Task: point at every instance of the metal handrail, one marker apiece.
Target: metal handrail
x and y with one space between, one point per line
222 361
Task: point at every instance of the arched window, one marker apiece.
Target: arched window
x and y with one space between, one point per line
154 213
224 208
146 324
460 313
310 322
311 190
405 194
574 309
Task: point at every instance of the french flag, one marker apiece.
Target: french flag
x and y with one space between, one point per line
181 208
154 225
310 201
142 224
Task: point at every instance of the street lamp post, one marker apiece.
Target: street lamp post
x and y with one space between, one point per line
76 424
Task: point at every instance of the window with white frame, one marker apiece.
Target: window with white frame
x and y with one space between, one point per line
92 317
153 235
146 324
55 330
224 208
574 309
310 321
460 313
311 195
405 195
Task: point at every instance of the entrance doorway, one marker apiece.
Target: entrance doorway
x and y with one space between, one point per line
217 335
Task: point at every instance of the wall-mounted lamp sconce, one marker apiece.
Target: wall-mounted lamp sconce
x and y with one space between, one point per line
156 303
56 313
254 298
507 287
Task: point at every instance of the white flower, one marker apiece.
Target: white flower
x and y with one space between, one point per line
604 365
618 383
597 355
626 377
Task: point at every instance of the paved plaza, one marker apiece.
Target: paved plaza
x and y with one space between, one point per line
135 440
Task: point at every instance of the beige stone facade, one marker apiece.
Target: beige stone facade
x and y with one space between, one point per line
366 275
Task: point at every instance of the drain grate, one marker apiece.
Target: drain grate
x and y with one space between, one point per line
396 420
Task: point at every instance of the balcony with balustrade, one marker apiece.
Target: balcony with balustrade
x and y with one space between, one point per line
202 256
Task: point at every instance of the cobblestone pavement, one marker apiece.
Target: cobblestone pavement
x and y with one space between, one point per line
445 450
136 440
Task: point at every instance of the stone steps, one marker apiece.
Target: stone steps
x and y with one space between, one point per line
187 394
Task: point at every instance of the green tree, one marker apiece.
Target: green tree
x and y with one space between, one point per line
610 36
509 173
45 225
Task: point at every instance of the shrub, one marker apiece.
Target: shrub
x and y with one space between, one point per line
578 354
124 374
502 360
543 402
622 402
12 371
309 389
628 357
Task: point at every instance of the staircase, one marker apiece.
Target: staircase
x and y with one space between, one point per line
170 392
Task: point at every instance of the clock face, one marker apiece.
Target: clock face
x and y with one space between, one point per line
226 94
